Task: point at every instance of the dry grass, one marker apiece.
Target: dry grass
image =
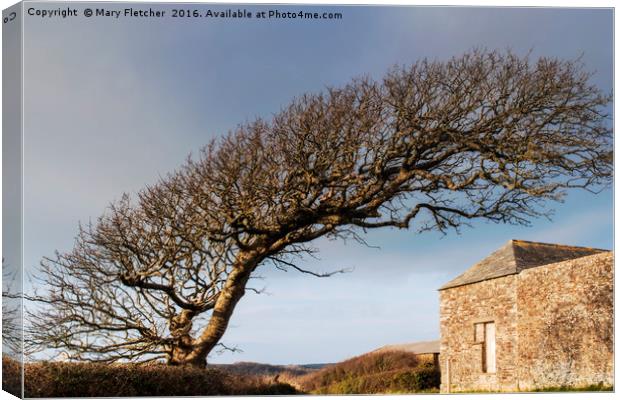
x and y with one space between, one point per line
63 379
384 372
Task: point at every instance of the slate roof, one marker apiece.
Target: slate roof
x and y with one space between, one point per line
517 255
428 347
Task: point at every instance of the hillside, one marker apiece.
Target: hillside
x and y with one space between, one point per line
398 368
374 372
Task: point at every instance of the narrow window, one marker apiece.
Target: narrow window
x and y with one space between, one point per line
489 347
484 335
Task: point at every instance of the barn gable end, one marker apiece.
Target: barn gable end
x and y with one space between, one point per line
499 320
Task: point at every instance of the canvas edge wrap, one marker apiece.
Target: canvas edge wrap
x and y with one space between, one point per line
12 191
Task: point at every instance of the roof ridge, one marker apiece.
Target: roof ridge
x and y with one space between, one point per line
514 253
517 255
557 244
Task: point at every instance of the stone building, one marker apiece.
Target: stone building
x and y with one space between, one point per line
530 315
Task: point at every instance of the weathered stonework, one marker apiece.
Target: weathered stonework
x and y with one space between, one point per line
553 323
565 330
460 358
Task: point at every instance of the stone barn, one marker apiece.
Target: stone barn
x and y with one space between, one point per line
529 316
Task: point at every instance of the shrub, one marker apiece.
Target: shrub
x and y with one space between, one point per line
66 379
420 379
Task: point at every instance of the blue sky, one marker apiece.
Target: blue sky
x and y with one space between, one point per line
110 105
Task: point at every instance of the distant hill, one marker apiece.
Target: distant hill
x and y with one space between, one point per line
315 366
258 369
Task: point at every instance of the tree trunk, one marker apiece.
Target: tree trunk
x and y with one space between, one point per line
180 328
181 355
231 293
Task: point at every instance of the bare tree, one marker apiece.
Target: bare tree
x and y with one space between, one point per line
488 135
12 335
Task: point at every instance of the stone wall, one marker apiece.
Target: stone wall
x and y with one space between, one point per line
554 327
460 357
565 331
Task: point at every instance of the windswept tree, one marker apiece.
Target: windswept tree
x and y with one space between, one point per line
488 135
